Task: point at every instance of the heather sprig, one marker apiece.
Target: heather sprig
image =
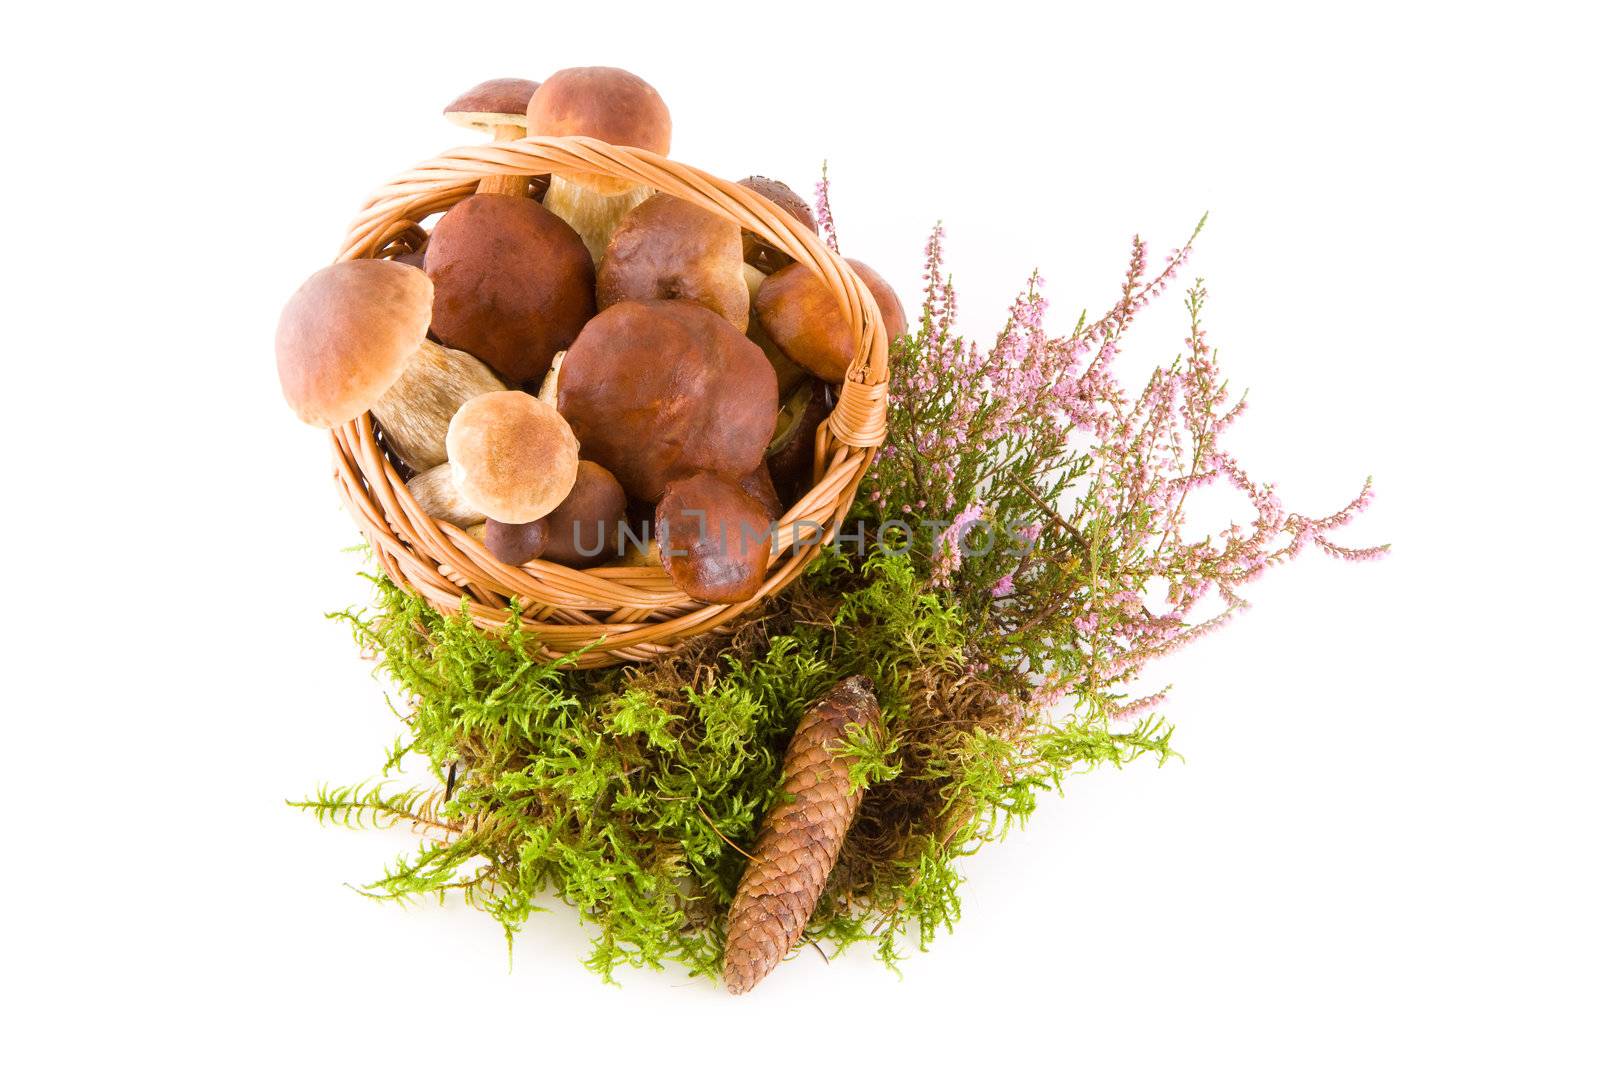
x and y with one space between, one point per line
1089 567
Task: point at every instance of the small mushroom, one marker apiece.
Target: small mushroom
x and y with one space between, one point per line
353 338
715 538
758 253
512 284
609 105
436 493
790 374
670 249
802 317
792 453
516 543
512 456
661 389
586 529
498 107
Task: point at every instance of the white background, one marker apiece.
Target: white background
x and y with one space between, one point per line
1381 847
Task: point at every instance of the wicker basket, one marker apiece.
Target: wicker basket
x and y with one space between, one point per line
614 614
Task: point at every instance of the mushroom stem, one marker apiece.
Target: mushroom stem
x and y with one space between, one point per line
594 215
505 184
436 493
416 410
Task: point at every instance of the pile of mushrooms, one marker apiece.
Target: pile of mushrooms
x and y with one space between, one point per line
572 367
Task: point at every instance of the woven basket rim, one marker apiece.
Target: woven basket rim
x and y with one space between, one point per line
605 615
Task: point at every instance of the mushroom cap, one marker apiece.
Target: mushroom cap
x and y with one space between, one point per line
496 102
804 320
515 543
583 531
715 538
660 389
670 249
605 103
348 334
511 455
757 484
512 284
791 454
756 251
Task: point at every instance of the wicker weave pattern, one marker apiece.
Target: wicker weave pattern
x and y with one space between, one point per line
620 614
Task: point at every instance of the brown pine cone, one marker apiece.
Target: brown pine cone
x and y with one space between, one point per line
800 838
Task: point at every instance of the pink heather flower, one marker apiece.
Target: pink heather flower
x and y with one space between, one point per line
1135 708
947 546
825 212
1118 462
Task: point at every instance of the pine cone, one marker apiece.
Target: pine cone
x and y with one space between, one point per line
800 838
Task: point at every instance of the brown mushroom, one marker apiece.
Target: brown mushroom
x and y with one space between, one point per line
609 105
790 374
757 484
586 529
660 389
715 538
800 314
435 492
498 107
792 454
670 249
512 283
515 543
353 338
759 253
512 456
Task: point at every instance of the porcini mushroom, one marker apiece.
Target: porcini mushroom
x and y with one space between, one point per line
790 374
715 538
353 338
499 107
512 284
804 319
758 253
512 456
660 389
792 453
435 492
670 249
586 529
609 105
516 543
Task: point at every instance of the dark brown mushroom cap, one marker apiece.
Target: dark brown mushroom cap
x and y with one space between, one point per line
512 456
513 284
759 253
583 531
497 102
757 484
515 543
715 538
660 389
804 320
348 334
607 104
670 249
791 455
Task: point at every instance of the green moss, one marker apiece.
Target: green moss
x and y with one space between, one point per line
629 793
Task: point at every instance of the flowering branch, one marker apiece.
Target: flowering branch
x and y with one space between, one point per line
1089 568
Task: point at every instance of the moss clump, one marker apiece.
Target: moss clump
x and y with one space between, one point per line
628 793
